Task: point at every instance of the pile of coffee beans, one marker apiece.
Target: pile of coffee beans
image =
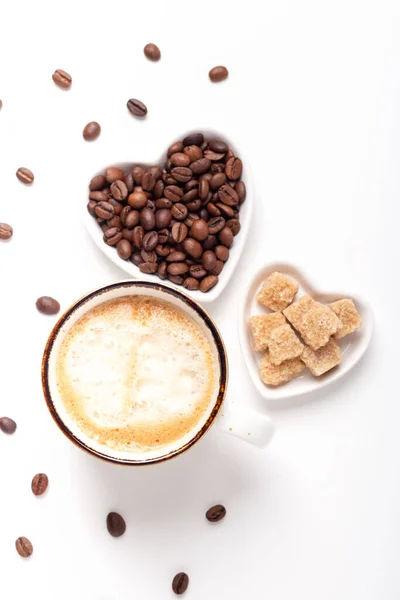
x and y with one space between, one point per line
178 222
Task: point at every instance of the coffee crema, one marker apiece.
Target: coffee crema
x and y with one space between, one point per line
136 373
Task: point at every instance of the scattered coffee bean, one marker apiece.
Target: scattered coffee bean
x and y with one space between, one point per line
91 131
24 547
137 108
62 78
47 305
152 52
25 175
218 74
6 231
180 583
7 425
115 524
216 513
39 484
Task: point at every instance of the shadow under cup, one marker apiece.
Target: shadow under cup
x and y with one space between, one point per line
110 292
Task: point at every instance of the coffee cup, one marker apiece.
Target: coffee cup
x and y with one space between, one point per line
136 373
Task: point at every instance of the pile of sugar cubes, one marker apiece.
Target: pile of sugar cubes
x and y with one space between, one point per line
298 334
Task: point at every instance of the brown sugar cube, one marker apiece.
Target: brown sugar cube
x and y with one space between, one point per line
348 315
277 291
296 311
318 325
277 374
284 345
322 360
261 327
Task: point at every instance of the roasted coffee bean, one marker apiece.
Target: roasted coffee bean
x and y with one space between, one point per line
147 219
228 195
193 153
115 221
175 279
163 250
216 513
216 224
194 139
181 174
158 189
213 210
199 230
191 185
62 78
138 235
97 183
234 225
91 205
226 236
197 271
228 155
91 131
157 172
149 268
148 256
124 249
117 206
163 203
163 218
180 583
179 211
6 231
47 305
180 159
130 184
217 180
191 283
233 168
208 282
116 525
179 232
208 260
200 166
240 188
99 196
173 193
218 146
210 242
162 270
207 177
137 174
226 211
222 253
150 241
169 180
178 268
204 188
204 214
194 205
25 175
148 181
213 156
112 236
132 219
218 268
176 147
176 256
114 174
136 258
217 168
24 547
127 234
152 52
104 210
39 484
164 236
119 190
193 247
124 214
218 74
191 195
191 218
136 107
7 425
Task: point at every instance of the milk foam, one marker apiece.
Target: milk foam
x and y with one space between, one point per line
136 373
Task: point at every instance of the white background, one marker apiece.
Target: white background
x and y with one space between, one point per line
314 98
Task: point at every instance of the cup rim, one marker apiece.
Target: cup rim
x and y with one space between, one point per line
165 289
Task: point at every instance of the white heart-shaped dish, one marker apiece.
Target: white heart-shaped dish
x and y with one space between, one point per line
236 249
352 346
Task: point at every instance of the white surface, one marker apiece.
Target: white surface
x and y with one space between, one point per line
352 347
314 96
151 157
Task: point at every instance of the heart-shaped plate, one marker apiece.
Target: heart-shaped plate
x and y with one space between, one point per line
236 249
352 346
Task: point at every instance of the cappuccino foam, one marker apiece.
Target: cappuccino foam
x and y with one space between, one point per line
136 373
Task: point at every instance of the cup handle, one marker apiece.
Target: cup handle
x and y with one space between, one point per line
247 425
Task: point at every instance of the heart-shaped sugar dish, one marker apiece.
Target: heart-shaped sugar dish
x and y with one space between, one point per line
235 249
352 347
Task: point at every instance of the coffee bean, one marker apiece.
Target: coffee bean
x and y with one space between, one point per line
204 188
6 231
62 78
180 583
147 219
213 156
173 193
25 175
163 218
112 236
148 268
213 210
208 260
137 174
191 218
163 203
194 153
99 196
190 283
194 139
137 200
148 256
179 211
234 225
226 236
119 190
124 249
150 241
176 256
97 183
104 210
130 184
228 155
176 147
208 282
218 146
115 524
162 270
47 305
222 253
136 107
240 188
199 230
177 279
148 181
163 250
181 174
178 268
39 484
136 258
127 234
218 268
233 168
179 159
197 271
164 236
216 224
210 242
7 425
179 232
228 195
204 214
91 131
191 195
24 547
207 177
218 74
225 211
138 235
217 168
193 247
132 219
200 166
159 189
216 513
152 52
113 174
217 180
